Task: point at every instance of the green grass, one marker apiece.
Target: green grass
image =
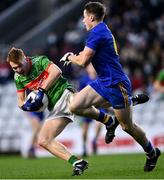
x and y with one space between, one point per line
100 167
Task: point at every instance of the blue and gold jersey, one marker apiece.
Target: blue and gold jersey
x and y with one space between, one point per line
106 59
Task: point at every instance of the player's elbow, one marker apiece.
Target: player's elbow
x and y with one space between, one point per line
59 73
73 109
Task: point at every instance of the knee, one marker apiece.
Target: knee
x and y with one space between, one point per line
73 108
43 142
127 128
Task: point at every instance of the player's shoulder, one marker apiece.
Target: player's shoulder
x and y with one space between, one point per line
38 58
101 31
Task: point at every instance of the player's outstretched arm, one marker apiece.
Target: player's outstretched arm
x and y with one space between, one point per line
82 59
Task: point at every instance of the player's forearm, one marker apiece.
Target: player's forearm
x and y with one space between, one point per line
52 78
20 99
78 59
49 82
20 104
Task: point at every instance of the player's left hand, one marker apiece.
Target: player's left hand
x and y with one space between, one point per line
65 58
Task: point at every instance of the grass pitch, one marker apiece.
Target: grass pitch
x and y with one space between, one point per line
100 167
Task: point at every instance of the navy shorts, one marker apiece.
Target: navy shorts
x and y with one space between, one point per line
118 95
39 115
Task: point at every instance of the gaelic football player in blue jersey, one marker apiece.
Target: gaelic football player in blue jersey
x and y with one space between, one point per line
112 85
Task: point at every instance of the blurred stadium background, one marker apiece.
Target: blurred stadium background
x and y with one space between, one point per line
54 27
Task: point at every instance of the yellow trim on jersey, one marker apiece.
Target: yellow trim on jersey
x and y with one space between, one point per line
115 45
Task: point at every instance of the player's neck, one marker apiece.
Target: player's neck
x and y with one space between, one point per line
95 23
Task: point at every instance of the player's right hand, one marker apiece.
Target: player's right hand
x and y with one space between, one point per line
65 58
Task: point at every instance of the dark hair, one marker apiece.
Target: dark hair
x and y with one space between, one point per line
97 9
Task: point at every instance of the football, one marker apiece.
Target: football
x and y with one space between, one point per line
33 94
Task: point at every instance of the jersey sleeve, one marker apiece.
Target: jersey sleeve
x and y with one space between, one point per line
93 41
45 63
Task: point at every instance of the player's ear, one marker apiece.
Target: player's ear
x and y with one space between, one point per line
92 18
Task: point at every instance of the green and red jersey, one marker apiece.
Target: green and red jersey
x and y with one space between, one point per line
36 76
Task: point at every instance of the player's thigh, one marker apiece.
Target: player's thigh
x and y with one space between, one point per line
35 124
86 98
124 116
52 128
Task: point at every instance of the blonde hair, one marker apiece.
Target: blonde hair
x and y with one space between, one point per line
15 55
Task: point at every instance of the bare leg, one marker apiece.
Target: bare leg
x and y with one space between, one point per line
98 129
85 135
50 130
36 125
84 102
97 133
124 117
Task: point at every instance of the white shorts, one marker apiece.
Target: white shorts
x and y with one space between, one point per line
61 107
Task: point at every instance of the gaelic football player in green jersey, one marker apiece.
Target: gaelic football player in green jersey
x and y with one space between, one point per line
39 73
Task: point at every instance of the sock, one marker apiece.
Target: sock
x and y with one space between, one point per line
150 152
105 119
101 116
94 141
73 159
32 149
84 149
94 146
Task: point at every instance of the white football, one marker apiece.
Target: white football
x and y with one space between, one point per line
32 95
